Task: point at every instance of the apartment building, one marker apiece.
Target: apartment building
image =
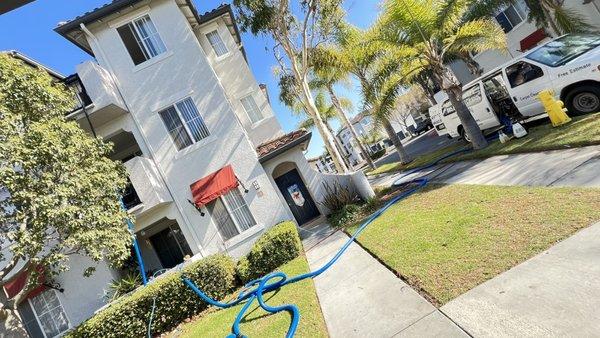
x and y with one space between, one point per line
364 126
209 165
323 164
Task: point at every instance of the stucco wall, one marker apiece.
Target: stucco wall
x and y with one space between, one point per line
237 79
80 302
294 158
184 71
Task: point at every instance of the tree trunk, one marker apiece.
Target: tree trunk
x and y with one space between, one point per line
328 139
428 92
472 65
11 323
349 125
452 88
404 157
549 15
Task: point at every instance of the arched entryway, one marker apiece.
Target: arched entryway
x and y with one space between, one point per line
294 191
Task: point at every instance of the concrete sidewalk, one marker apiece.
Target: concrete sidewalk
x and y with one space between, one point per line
570 167
359 297
556 293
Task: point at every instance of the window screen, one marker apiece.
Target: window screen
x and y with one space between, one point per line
251 109
217 44
231 214
184 123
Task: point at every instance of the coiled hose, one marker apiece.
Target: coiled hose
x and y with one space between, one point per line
254 290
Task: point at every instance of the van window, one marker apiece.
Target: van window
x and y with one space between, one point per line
471 97
564 49
522 72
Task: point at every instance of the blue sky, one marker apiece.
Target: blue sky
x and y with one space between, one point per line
29 30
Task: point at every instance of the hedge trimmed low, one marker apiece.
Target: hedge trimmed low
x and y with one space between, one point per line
274 248
129 316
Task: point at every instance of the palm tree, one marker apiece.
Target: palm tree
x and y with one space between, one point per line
326 76
426 33
552 13
355 55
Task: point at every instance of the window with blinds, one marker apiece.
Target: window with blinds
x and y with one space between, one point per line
184 123
141 39
217 43
251 108
231 214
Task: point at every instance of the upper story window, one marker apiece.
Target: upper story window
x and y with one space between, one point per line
513 15
217 43
251 108
184 123
141 39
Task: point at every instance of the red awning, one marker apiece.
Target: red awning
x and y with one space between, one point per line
16 285
214 185
532 39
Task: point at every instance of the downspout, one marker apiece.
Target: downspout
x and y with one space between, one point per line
146 143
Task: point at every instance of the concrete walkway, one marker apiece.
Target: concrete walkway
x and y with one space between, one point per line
554 294
570 167
359 297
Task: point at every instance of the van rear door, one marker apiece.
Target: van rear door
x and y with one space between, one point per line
480 107
525 80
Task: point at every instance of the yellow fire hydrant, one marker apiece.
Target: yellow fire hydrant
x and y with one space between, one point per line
554 108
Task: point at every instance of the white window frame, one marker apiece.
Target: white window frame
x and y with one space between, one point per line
233 219
185 126
251 96
35 314
132 21
215 29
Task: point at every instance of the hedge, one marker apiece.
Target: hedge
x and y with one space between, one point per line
129 316
274 248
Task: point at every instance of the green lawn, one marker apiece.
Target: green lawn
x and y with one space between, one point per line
447 239
581 131
258 323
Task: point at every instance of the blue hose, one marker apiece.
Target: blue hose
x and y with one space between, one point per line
254 290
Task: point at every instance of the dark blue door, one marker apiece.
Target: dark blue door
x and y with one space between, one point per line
297 197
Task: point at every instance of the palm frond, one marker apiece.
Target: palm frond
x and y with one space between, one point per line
570 21
476 36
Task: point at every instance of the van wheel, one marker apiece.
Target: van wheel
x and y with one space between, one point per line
583 100
463 134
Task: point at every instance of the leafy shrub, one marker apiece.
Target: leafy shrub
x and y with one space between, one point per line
129 315
378 154
274 248
372 204
336 196
120 287
344 216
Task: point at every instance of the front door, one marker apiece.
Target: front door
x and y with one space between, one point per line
297 197
167 248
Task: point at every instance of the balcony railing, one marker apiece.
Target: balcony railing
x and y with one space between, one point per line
82 99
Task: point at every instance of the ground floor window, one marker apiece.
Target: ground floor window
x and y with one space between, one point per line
231 214
50 314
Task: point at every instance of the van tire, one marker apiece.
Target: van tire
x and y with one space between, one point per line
583 100
463 134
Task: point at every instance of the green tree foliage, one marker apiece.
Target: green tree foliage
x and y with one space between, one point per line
60 193
554 15
425 34
296 27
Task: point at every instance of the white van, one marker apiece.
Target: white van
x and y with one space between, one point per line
569 65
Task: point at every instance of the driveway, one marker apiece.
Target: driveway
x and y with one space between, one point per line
424 143
576 167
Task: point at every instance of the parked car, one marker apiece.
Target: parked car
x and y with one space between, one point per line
569 65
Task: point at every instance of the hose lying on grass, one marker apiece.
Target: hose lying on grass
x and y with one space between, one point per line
255 290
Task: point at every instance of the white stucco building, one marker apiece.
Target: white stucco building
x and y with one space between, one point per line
364 126
323 164
209 165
